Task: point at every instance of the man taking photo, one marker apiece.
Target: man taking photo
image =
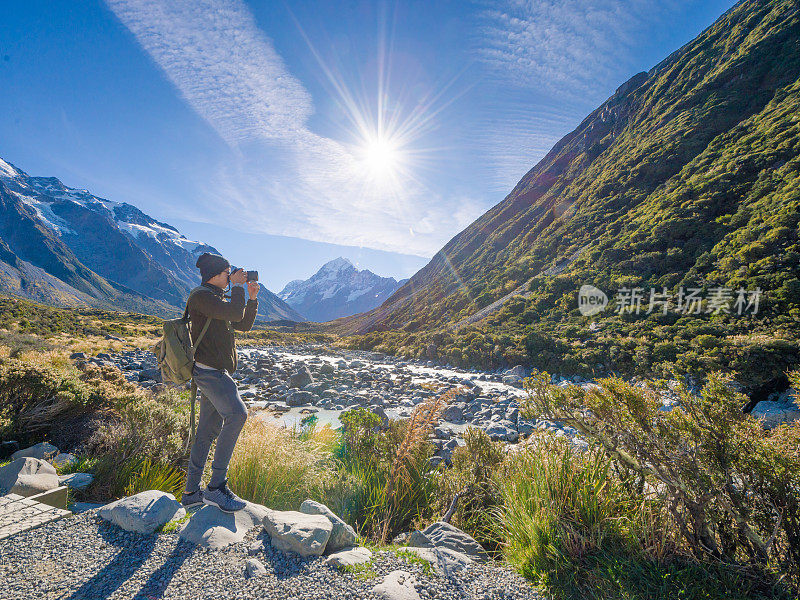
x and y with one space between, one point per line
222 412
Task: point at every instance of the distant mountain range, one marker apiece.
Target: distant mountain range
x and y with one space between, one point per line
67 247
338 289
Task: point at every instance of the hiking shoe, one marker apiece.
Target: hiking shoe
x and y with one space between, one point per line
223 498
192 500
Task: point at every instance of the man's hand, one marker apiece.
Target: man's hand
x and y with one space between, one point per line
239 276
252 289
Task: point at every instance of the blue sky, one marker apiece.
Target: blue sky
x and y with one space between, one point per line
287 135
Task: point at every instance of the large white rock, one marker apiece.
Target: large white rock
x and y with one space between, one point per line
212 528
41 451
349 557
445 535
773 413
292 531
397 585
143 512
27 476
342 535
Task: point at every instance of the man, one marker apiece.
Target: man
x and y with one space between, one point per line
222 412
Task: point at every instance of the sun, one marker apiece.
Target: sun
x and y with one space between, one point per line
381 157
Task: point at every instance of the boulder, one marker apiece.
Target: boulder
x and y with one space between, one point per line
300 379
349 557
76 481
397 585
518 371
342 535
454 413
150 375
63 459
773 413
42 451
445 535
27 476
326 368
254 568
211 528
300 398
502 430
143 512
292 531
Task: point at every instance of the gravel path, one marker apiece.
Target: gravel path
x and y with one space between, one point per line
84 558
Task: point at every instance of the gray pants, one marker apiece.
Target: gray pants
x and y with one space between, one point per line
222 416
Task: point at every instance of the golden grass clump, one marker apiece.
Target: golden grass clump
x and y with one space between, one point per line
277 467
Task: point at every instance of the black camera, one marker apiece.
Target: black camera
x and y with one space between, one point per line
251 275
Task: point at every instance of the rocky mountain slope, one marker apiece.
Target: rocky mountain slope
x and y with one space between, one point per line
338 289
67 247
686 177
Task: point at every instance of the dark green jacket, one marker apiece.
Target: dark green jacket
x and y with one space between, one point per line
218 347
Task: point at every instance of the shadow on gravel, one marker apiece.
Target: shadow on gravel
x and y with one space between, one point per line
157 583
134 551
284 565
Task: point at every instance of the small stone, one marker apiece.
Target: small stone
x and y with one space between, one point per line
255 568
397 585
349 557
301 533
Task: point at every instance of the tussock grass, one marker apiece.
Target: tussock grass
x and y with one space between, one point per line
273 466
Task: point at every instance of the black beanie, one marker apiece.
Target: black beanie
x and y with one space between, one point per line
211 265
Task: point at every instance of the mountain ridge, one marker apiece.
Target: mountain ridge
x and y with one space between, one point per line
103 249
659 184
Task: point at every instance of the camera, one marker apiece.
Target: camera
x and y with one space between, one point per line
251 275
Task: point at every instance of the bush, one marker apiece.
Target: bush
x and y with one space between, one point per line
731 489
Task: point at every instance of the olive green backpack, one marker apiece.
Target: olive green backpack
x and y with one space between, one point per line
175 355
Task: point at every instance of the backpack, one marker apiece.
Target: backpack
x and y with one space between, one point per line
175 355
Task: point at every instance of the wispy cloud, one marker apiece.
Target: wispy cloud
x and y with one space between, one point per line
284 179
558 59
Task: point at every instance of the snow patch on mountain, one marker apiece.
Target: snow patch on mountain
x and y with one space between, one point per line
44 210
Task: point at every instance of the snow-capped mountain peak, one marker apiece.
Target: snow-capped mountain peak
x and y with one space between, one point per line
337 289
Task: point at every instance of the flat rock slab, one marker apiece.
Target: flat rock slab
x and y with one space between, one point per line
18 513
212 528
445 561
76 481
292 531
397 585
342 535
349 557
28 476
144 512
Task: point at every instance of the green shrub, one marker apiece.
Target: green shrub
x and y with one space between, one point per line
732 489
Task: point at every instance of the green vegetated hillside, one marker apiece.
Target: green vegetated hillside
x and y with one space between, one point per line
688 176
